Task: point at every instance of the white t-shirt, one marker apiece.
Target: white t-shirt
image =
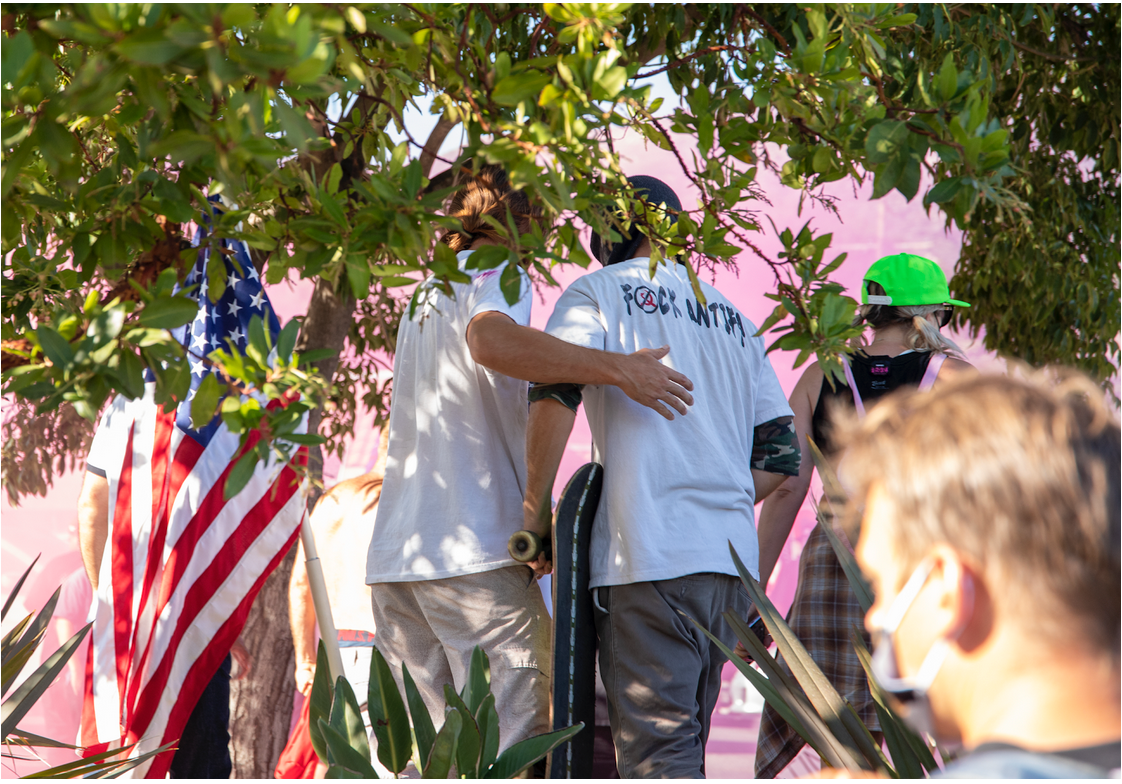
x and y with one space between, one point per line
675 493
456 465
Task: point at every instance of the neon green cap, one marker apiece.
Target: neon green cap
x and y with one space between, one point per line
908 280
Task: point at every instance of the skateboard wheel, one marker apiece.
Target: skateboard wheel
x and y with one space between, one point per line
524 546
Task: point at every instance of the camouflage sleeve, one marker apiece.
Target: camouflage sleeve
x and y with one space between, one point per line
568 395
775 447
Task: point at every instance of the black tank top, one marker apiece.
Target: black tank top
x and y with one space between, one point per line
875 377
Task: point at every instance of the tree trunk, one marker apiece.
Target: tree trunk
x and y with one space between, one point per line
261 704
327 325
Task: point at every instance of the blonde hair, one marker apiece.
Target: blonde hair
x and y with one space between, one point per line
483 194
925 336
1019 475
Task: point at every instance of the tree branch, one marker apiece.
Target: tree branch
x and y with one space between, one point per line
429 152
1056 58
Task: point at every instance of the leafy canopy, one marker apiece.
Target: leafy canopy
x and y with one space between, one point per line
120 119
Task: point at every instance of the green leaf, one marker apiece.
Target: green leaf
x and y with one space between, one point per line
943 192
149 47
478 683
240 474
307 439
444 748
525 753
30 739
286 340
387 715
257 341
487 720
423 729
358 274
470 742
886 140
344 755
910 754
947 81
854 742
510 282
773 690
55 347
346 719
516 88
169 312
19 584
321 698
205 402
391 34
888 175
23 698
908 184
485 258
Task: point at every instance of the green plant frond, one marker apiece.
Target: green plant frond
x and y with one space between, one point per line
19 584
22 738
470 742
906 747
322 698
792 706
344 755
33 635
424 734
845 558
821 693
346 718
99 765
23 698
525 753
443 751
387 715
13 635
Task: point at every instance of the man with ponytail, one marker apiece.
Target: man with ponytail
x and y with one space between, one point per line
442 581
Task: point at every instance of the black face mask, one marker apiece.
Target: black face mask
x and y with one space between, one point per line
652 190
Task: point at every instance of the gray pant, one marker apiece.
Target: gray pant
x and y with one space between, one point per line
434 625
662 674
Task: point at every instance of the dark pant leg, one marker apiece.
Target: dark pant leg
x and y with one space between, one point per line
204 748
661 673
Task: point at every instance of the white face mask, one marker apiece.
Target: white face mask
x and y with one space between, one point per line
913 704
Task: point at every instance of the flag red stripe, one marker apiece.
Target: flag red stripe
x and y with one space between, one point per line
187 454
208 583
88 727
122 571
208 662
180 557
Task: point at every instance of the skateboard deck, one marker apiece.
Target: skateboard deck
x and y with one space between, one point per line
574 631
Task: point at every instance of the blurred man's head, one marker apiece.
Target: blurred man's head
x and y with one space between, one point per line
1001 497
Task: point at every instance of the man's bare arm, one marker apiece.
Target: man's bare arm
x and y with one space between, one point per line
93 523
302 622
546 435
521 352
781 509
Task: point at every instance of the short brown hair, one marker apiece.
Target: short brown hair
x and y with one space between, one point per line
1019 475
486 193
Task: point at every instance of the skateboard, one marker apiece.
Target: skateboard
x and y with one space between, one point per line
574 631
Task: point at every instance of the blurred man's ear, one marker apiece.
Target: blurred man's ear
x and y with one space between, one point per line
965 612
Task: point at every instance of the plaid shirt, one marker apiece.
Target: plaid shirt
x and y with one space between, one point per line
824 610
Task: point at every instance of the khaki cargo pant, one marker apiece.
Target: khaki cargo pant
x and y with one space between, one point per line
433 626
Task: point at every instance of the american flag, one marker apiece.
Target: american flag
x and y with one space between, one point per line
182 566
